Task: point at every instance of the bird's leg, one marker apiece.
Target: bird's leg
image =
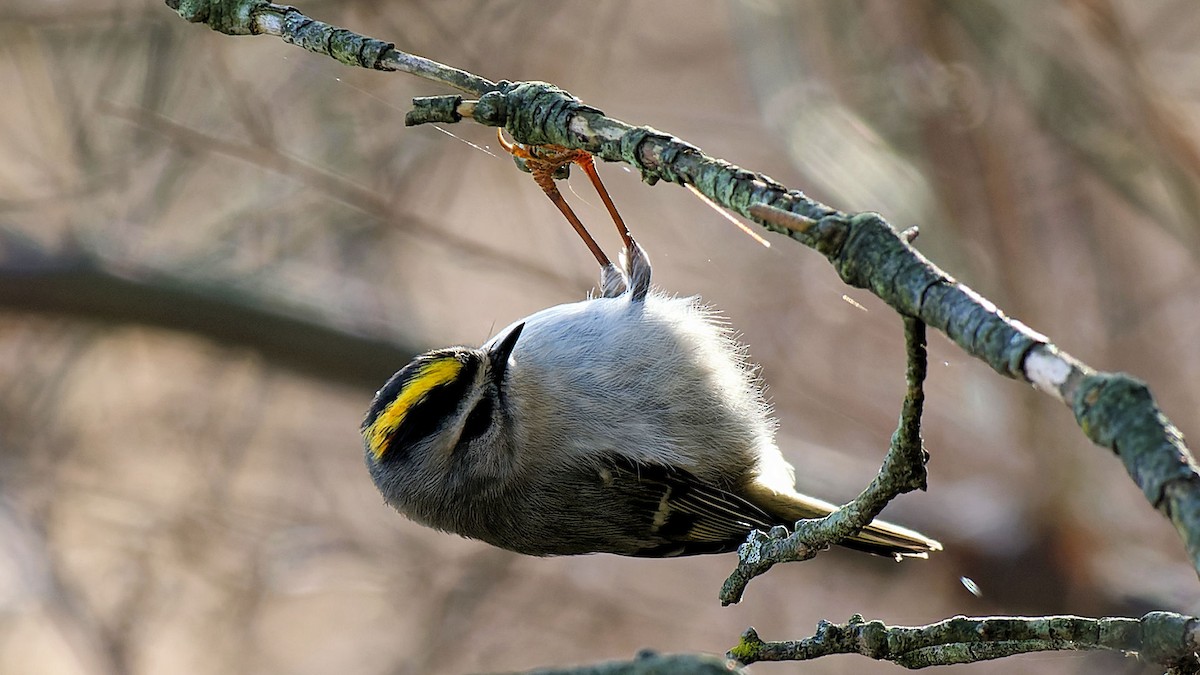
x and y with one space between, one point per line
543 163
633 258
584 160
637 265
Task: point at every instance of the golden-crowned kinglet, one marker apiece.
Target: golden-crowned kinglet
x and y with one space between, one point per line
628 423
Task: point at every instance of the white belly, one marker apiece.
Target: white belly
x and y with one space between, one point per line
660 381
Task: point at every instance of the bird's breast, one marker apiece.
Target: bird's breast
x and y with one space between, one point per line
657 380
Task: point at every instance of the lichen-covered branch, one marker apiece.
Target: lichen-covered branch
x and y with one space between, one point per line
1164 638
903 470
257 17
1116 411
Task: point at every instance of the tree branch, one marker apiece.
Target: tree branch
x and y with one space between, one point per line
256 17
82 286
903 470
1163 638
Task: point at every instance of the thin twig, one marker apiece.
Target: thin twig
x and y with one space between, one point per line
903 471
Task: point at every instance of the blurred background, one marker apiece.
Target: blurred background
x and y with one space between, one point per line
213 250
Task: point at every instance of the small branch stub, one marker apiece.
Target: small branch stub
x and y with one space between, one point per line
433 109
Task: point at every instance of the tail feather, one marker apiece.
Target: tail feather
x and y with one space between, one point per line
879 537
884 538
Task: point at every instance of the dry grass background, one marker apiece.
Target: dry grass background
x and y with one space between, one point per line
174 503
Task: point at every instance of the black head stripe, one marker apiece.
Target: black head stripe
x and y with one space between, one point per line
479 421
418 399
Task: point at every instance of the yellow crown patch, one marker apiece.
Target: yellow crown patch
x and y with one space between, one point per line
429 376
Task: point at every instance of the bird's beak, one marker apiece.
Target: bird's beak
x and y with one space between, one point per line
500 352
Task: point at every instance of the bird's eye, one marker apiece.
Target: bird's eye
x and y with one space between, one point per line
478 421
